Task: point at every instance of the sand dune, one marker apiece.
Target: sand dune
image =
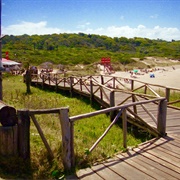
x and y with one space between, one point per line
166 76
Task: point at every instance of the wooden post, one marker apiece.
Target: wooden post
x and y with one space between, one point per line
134 128
42 136
134 100
28 80
49 78
124 118
102 79
145 89
67 139
9 140
132 85
161 124
8 116
56 88
101 93
64 80
24 134
167 94
91 92
102 82
43 81
114 82
112 104
81 84
71 86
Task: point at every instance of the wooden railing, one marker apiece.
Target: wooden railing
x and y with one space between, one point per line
111 91
135 85
100 87
67 129
105 90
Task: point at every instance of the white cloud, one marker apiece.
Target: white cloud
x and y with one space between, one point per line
29 28
165 33
141 26
83 25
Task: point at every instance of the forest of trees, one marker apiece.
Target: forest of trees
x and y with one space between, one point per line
84 48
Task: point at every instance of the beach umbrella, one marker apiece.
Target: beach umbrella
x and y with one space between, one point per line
135 70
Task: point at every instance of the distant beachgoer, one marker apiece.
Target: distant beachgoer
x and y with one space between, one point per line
28 80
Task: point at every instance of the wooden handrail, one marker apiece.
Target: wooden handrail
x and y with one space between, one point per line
115 80
135 80
68 133
67 122
107 110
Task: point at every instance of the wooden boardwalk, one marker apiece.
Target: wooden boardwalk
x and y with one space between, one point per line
158 158
173 115
155 159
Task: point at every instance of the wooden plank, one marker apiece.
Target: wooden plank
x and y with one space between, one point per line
24 134
140 162
105 172
168 145
168 153
124 117
174 138
173 130
155 157
161 169
165 155
122 168
172 121
67 139
8 140
42 136
88 174
148 166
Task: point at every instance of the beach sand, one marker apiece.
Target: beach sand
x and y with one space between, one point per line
165 76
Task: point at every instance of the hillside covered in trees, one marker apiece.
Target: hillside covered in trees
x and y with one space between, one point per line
72 49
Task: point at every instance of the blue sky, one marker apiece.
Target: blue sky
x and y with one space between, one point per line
115 18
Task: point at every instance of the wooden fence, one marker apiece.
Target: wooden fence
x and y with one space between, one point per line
107 91
67 129
98 87
120 96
